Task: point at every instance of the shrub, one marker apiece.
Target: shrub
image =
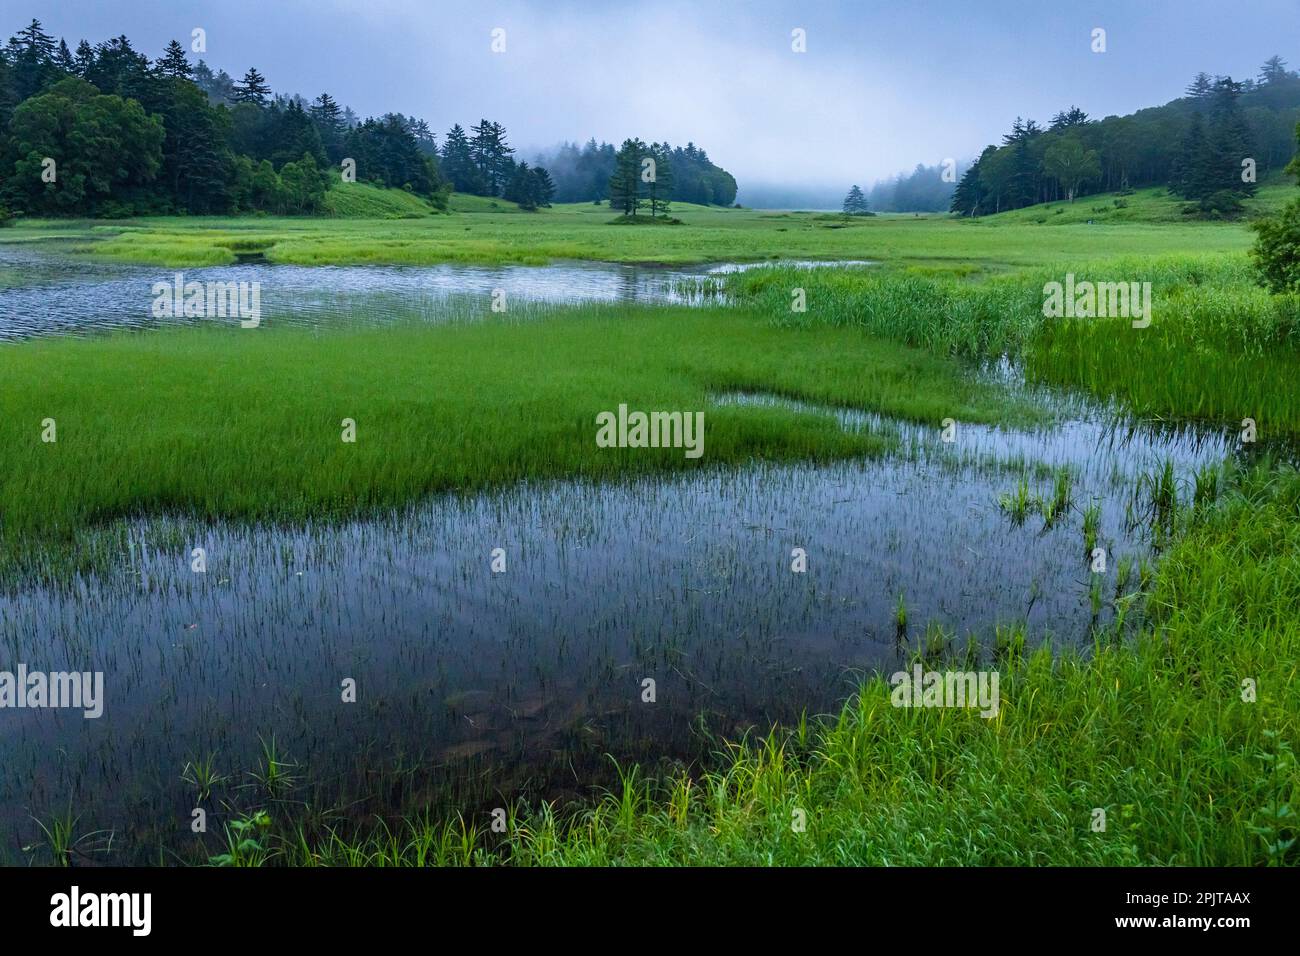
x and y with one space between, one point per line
1277 249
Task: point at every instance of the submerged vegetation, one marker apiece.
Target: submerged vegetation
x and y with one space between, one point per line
1156 732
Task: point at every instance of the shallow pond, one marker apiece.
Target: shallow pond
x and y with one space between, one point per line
54 292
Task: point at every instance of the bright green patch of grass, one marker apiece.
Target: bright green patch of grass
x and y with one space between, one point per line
1218 348
224 422
367 201
1153 205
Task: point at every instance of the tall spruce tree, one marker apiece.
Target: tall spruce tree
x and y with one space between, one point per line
252 89
855 203
625 186
458 163
659 188
174 63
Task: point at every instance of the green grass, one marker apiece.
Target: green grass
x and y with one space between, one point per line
467 202
477 231
1152 205
366 201
1219 348
223 422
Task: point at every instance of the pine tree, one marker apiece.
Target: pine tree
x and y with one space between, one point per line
84 58
543 187
855 203
522 188
969 194
31 55
1190 176
458 162
1200 87
328 117
63 59
174 63
625 185
492 156
252 89
1067 118
1273 71
660 186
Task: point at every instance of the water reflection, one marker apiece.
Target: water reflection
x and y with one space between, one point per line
61 294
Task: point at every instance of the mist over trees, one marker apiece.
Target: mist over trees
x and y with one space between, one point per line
107 132
583 173
1208 147
924 189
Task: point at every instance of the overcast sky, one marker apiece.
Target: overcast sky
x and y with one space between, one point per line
881 87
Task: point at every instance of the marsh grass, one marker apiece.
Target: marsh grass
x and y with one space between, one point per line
1219 347
1155 730
225 423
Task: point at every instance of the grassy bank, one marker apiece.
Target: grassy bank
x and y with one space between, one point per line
1219 348
222 422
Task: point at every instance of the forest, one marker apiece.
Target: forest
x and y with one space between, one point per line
104 131
1210 147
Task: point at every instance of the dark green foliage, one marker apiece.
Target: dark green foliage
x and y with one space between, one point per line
197 162
492 156
103 147
252 89
625 192
659 187
328 117
128 137
1195 145
458 163
1277 247
1209 165
174 63
386 152
530 187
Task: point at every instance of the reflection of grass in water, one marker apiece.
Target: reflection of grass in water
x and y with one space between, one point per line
246 424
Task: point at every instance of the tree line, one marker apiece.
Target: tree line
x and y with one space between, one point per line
105 131
1210 147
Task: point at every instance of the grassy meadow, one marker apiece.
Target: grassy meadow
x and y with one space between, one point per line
489 231
225 424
